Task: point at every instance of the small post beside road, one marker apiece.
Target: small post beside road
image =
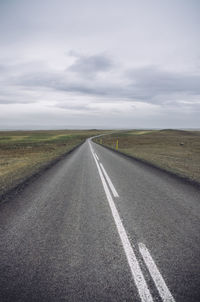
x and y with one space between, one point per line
117 144
101 141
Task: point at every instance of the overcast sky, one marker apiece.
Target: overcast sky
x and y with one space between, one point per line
99 64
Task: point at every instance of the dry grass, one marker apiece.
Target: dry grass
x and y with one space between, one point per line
176 151
23 153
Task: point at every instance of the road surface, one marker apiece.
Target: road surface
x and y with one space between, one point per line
100 227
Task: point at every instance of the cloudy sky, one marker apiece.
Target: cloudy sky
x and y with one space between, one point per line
99 64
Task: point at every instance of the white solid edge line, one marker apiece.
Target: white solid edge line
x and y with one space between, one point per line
138 277
96 156
155 274
109 181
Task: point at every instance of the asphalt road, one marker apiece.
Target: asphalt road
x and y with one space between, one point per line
100 227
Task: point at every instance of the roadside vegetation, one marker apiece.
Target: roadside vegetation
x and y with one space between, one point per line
176 151
23 153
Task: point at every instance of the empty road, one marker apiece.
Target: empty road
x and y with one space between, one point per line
100 227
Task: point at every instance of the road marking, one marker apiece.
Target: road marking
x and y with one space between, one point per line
109 182
96 156
138 277
155 274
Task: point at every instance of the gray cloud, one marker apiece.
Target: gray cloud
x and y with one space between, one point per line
10 94
91 65
140 59
7 101
150 84
75 106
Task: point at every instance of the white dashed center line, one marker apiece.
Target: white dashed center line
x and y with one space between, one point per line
136 271
109 182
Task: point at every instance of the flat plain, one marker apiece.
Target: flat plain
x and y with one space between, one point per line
95 224
23 153
177 151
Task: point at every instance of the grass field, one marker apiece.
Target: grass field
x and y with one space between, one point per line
176 151
23 153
